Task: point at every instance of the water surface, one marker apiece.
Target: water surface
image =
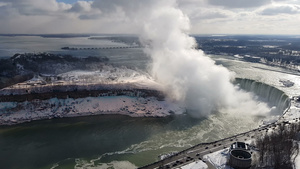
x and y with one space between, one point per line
112 140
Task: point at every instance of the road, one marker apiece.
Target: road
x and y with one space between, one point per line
197 152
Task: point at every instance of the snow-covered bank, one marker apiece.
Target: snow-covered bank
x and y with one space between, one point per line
106 79
18 112
82 93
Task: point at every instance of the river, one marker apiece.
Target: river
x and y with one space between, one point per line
114 140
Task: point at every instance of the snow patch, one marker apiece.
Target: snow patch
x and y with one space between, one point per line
218 159
195 165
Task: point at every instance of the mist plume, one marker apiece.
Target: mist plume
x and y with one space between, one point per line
189 76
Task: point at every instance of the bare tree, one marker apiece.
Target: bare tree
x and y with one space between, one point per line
279 149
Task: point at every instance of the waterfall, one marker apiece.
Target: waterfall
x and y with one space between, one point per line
273 96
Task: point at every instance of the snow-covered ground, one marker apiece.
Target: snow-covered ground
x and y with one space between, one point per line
195 165
218 159
108 74
107 78
17 112
292 113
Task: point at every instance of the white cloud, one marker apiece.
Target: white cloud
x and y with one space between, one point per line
40 7
239 3
3 4
118 16
81 6
207 14
85 10
281 9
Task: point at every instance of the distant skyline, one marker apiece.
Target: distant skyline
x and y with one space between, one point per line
110 16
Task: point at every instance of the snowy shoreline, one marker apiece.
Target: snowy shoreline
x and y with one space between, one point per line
20 112
84 93
48 101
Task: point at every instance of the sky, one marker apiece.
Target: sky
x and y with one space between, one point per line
117 16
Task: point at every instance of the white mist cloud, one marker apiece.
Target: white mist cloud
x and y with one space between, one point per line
189 77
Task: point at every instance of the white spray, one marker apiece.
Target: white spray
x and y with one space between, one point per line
189 77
